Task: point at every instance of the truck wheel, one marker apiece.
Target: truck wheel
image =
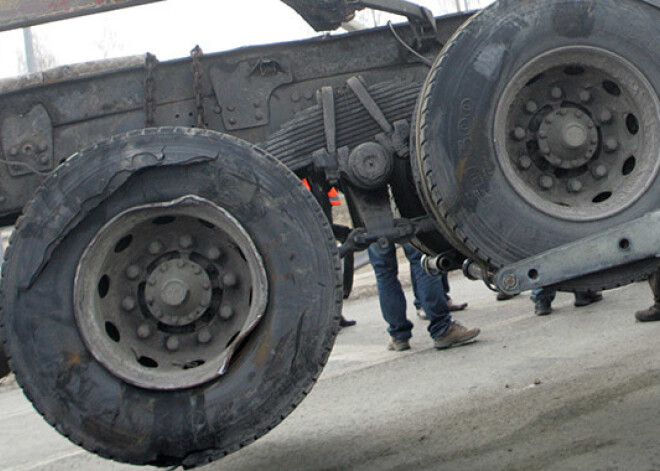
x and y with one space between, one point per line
170 295
540 125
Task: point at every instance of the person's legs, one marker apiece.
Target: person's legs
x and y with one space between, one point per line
390 293
652 313
542 298
431 294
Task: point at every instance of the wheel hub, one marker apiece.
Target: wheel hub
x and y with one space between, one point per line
166 292
178 292
577 133
567 138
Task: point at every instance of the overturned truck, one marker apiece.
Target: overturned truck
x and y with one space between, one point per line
172 290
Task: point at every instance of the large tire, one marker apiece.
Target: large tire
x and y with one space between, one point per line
540 124
123 413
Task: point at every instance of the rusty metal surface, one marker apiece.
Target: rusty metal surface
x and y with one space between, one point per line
21 13
249 93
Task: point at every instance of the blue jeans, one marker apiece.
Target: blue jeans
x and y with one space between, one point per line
430 291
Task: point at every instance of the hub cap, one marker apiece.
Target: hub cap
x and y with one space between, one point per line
165 293
577 133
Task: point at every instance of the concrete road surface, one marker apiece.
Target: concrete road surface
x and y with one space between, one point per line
576 390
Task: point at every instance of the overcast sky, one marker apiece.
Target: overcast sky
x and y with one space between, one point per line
170 29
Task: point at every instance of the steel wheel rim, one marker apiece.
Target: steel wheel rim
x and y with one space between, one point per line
165 293
577 133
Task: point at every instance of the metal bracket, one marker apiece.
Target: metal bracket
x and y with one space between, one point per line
394 136
243 90
630 242
415 13
27 139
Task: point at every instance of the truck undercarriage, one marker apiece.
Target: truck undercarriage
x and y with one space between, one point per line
172 291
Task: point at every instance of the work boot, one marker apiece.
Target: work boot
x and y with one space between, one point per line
343 322
397 345
649 315
455 335
542 307
584 298
504 297
421 314
455 307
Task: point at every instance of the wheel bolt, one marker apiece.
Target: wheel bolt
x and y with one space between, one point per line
229 279
585 96
578 114
206 285
155 247
186 241
524 162
214 253
204 303
575 186
531 107
149 299
556 93
599 171
519 133
611 144
172 344
197 270
605 116
204 335
163 268
144 331
543 134
546 182
226 312
128 303
132 272
545 149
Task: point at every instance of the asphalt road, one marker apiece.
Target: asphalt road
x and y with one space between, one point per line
576 390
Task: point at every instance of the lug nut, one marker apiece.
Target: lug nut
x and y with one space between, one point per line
128 303
214 253
519 133
611 144
163 268
149 299
186 241
605 116
197 270
585 96
549 119
524 162
229 279
599 171
543 134
144 331
226 312
204 303
556 93
204 335
578 114
206 284
546 182
132 272
544 148
155 247
531 107
172 344
575 186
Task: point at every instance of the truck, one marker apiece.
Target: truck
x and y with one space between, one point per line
171 289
